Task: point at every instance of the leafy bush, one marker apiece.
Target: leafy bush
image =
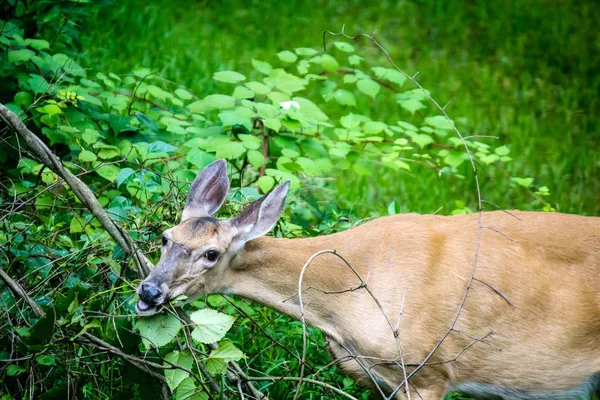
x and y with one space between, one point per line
136 140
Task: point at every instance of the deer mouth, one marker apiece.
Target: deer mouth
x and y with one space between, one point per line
144 308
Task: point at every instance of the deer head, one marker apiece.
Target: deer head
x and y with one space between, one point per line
196 253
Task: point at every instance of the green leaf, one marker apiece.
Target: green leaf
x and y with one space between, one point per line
502 151
158 330
273 124
232 118
242 92
250 142
199 158
212 102
183 359
183 94
45 359
343 46
228 76
455 159
23 99
216 366
354 59
422 139
262 66
107 154
124 175
256 159
374 127
266 183
160 147
108 172
525 182
305 51
87 156
329 63
14 370
363 168
411 105
187 391
439 121
227 352
211 325
38 84
393 208
287 56
344 97
39 44
389 74
20 56
368 87
258 88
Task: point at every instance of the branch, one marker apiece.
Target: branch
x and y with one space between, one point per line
19 291
83 193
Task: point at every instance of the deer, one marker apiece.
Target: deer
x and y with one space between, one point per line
529 327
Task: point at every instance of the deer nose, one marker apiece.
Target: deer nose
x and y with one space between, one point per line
150 293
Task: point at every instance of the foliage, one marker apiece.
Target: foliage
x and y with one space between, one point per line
136 139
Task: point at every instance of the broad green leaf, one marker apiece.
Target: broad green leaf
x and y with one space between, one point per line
183 94
502 151
232 118
266 183
310 109
374 127
256 158
328 63
108 172
211 325
242 92
107 154
45 359
187 390
525 182
183 359
343 46
389 74
305 51
20 56
216 366
123 175
199 158
354 59
228 76
160 147
212 102
287 56
251 142
39 44
368 87
411 105
87 156
344 97
273 124
23 99
258 88
227 352
14 370
455 159
158 330
439 121
422 139
262 66
38 84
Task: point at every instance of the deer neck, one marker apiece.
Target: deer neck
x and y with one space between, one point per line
267 270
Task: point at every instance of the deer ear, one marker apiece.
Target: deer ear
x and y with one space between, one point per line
261 216
208 191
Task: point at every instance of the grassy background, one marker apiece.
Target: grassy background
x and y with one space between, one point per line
523 71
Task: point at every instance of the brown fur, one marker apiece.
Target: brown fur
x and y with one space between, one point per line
547 265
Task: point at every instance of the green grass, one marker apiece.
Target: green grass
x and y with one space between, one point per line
523 71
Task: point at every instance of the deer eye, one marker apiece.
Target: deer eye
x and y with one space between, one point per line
164 241
211 255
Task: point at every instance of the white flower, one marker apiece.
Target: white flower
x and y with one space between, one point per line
288 104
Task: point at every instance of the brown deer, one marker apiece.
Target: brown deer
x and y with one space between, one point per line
529 328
